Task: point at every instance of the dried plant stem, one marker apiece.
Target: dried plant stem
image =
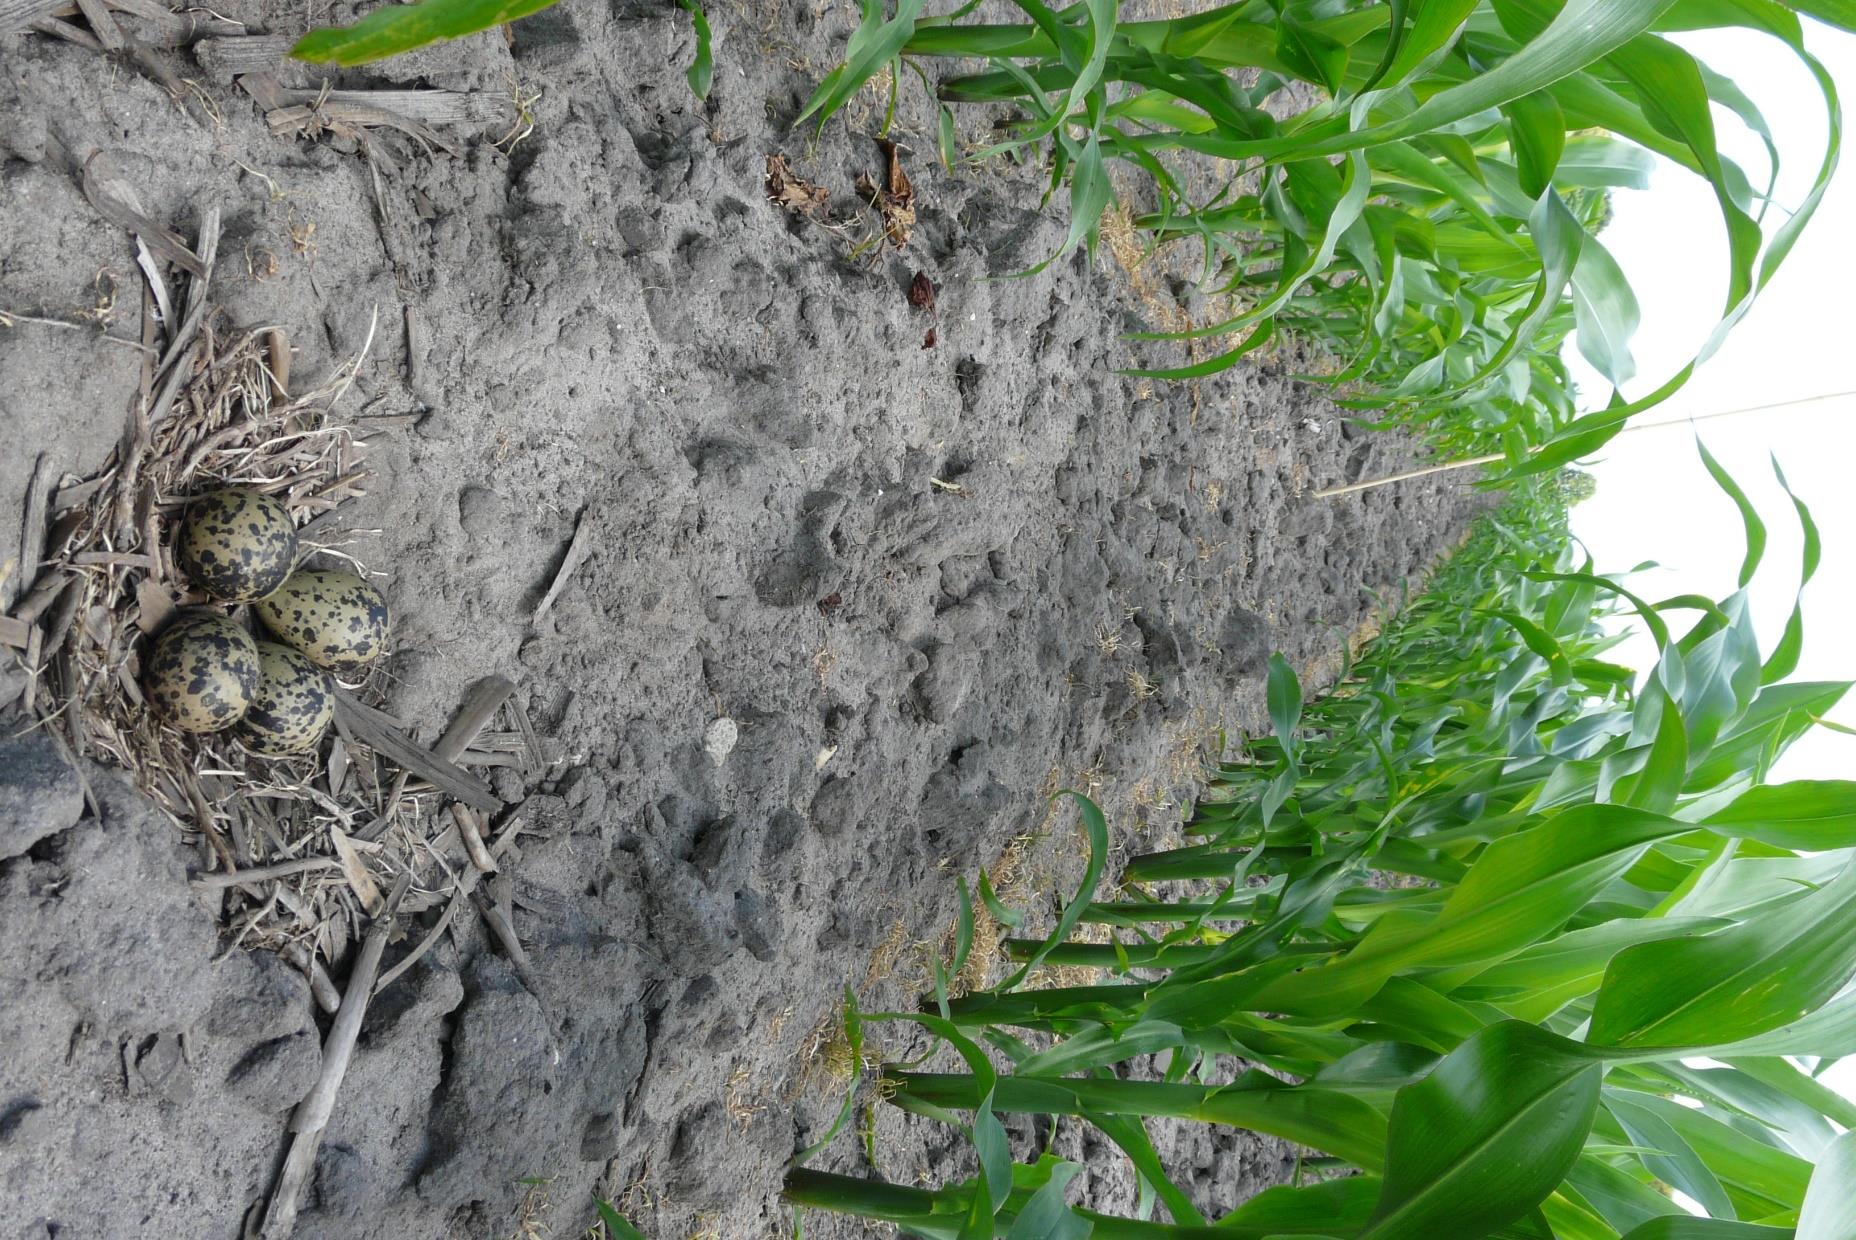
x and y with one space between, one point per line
259 873
1408 475
312 1114
1634 427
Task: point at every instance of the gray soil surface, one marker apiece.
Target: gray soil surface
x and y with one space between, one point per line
927 586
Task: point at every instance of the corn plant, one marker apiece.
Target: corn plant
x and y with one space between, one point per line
395 28
1433 217
1518 946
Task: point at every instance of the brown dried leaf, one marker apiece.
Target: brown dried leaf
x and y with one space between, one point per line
788 191
928 341
354 870
897 186
895 200
154 603
921 291
897 215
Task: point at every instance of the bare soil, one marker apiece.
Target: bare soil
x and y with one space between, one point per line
927 586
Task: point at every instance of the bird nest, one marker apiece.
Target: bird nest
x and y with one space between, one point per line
296 851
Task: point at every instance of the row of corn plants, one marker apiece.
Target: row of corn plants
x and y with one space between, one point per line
1433 216
1517 947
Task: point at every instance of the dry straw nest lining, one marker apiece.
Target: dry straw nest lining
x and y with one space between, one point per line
317 838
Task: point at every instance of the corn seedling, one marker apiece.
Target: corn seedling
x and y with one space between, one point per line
1525 946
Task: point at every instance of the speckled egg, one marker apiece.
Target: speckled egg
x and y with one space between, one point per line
202 673
332 616
237 545
292 705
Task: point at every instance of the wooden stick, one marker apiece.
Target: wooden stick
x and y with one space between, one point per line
32 533
67 32
259 873
431 939
101 24
481 702
578 549
486 757
370 727
472 835
312 1114
505 933
227 58
19 14
531 742
163 241
327 997
479 707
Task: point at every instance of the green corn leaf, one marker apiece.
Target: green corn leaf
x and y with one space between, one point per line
1091 192
949 144
1762 1180
616 1226
1830 1031
1047 1216
1311 54
1675 1162
1432 27
1838 13
1780 714
875 43
1535 983
1583 31
1665 769
1615 1195
1830 1204
1008 917
1129 1134
1681 1228
1523 887
1779 1074
1606 312
702 69
1283 692
1539 641
1345 210
1595 161
1262 335
1749 515
1324 1119
396 28
1740 1097
1340 1206
1486 1136
1585 435
1537 131
1734 984
1785 655
1804 814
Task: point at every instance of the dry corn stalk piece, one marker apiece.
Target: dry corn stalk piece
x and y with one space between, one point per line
894 199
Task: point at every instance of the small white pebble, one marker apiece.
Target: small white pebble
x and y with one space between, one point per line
719 741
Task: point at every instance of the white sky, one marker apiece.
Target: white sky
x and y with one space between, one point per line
1654 500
